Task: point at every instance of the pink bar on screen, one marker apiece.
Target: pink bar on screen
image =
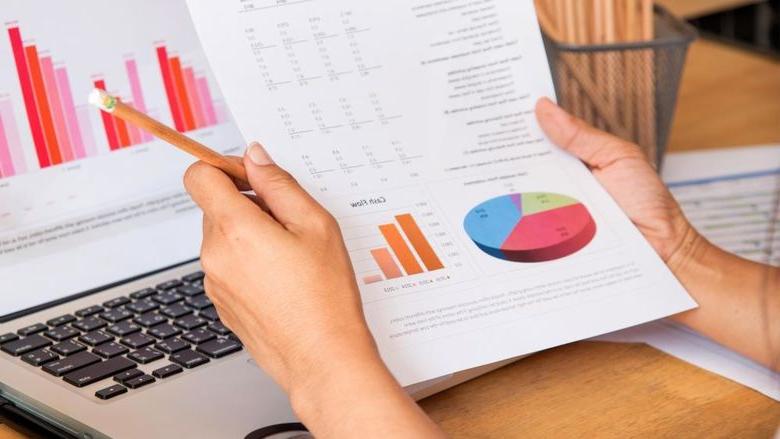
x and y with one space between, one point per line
194 97
133 131
206 102
138 94
66 98
83 114
12 136
6 163
52 91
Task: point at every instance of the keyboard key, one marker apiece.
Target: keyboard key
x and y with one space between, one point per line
219 348
122 329
198 302
189 359
127 375
89 324
67 348
140 381
39 358
199 336
110 350
190 322
61 333
98 371
61 320
25 345
5 338
171 284
163 331
150 319
116 303
32 329
95 338
234 337
190 290
89 311
110 392
219 328
167 298
137 341
145 356
194 277
209 314
116 315
172 345
143 294
169 370
175 311
142 306
70 364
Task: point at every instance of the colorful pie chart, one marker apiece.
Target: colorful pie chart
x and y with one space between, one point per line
530 227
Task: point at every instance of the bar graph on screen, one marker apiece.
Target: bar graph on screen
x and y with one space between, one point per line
62 128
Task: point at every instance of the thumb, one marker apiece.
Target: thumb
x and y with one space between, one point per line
596 148
287 201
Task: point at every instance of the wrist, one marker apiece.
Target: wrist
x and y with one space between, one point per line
688 260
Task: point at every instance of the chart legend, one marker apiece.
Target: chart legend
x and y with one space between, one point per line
530 227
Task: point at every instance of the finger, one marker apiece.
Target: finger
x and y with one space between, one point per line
288 202
242 185
594 147
214 192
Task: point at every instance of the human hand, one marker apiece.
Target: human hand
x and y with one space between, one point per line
280 277
277 270
624 171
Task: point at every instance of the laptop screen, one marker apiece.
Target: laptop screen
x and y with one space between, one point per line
85 199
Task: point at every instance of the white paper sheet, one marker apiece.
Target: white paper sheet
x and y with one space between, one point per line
730 196
426 108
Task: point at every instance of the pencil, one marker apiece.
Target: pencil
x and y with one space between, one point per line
115 107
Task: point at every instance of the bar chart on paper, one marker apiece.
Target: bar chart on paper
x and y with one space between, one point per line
404 246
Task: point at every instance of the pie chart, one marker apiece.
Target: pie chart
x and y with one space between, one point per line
530 227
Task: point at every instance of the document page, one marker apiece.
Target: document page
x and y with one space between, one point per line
474 239
731 196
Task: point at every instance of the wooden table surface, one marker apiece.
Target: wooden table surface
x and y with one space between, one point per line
589 389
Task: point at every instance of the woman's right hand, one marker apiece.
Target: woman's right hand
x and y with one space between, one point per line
624 171
739 300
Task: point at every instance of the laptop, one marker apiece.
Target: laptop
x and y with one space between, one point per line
105 327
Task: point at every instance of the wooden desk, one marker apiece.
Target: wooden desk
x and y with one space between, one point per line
590 389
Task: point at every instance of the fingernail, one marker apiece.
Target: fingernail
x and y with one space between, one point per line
258 155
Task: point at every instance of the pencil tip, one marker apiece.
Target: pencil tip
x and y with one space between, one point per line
102 100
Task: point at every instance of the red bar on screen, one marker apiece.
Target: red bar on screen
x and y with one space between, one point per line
108 121
181 93
170 88
42 100
28 94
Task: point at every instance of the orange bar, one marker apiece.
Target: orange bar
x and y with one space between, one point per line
42 102
419 242
386 263
368 280
401 250
181 93
122 133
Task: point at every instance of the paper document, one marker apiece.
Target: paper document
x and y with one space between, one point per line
731 197
474 238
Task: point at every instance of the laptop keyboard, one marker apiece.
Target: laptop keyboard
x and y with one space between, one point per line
107 342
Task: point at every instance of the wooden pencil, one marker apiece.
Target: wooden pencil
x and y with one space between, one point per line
116 108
